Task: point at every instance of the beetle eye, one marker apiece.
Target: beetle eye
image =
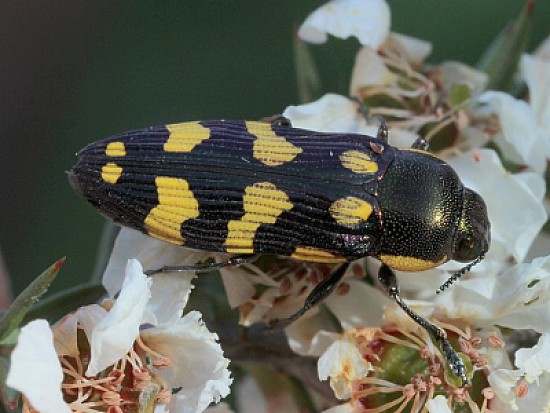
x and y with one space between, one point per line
474 230
465 246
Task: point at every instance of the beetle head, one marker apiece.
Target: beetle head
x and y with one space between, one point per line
474 230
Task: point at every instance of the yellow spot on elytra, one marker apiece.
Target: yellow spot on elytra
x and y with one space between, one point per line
269 148
263 203
315 255
403 263
110 172
350 210
115 149
185 136
176 204
359 162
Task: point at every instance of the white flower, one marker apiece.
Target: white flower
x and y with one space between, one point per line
344 364
369 69
141 331
519 298
113 336
35 370
535 71
367 20
526 388
330 113
521 139
198 366
150 252
416 50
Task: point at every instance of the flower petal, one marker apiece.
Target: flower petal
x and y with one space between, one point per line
534 362
331 113
35 370
151 252
519 298
309 335
362 306
516 225
456 73
199 367
65 330
438 404
169 295
416 50
534 368
343 363
115 334
367 20
536 73
369 69
521 139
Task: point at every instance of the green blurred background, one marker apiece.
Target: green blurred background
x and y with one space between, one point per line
76 71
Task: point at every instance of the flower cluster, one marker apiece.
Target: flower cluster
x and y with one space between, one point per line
135 352
392 365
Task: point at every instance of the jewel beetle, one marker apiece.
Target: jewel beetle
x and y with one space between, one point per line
247 188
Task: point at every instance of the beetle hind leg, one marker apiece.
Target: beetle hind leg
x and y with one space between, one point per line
389 281
316 296
200 268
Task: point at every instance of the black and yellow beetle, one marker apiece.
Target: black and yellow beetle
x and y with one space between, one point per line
264 187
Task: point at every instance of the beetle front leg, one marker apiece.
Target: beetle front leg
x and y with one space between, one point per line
388 279
317 295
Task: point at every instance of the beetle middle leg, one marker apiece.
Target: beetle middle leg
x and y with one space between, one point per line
316 296
388 279
200 268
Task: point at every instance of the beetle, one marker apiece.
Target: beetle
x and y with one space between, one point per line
247 187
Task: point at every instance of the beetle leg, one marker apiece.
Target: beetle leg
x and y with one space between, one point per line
362 109
420 143
382 133
317 295
387 278
201 268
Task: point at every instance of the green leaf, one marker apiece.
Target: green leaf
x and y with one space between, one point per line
106 242
8 396
309 83
500 60
20 306
57 305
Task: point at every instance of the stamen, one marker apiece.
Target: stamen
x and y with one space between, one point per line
162 362
164 396
522 389
399 341
488 394
495 341
111 398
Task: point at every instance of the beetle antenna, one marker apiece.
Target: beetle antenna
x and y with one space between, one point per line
459 274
